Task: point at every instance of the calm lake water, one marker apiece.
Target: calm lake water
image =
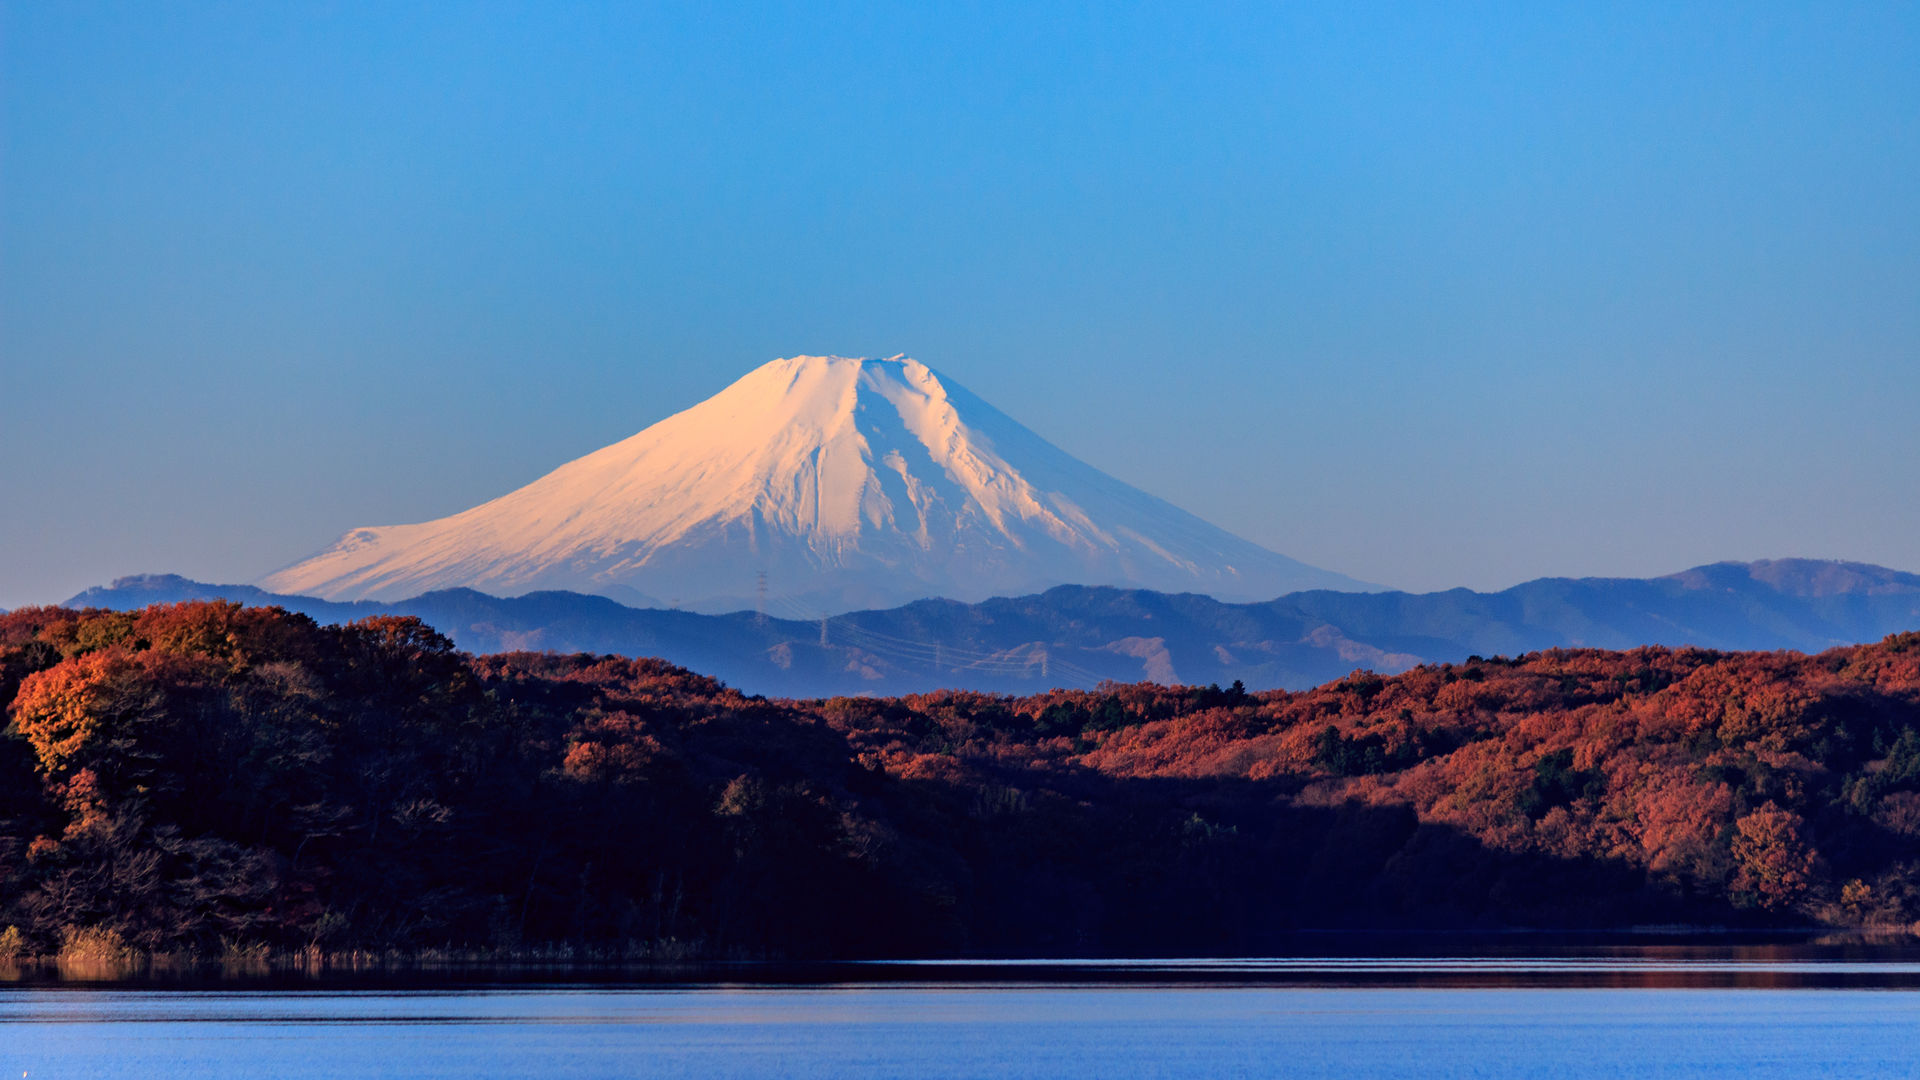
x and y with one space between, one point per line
1583 1016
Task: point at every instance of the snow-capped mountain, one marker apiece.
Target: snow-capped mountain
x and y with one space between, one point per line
848 483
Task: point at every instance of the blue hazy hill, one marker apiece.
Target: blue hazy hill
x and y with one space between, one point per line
1078 635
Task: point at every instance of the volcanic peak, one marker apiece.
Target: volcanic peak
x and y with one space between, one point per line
847 481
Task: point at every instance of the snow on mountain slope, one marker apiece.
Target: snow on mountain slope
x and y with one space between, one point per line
849 483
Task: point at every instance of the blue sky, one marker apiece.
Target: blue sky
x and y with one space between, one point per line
1432 295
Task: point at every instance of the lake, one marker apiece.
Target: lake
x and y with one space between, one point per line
1618 1013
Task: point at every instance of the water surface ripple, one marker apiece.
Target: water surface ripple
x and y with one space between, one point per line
1312 1017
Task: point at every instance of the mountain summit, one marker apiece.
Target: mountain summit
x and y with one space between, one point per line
848 483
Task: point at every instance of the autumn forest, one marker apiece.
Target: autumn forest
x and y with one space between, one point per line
205 776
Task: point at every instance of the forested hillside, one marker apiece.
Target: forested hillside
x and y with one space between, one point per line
205 775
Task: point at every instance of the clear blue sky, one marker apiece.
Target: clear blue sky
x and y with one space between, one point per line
1434 294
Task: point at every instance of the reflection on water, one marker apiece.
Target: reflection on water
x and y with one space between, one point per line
1342 1007
944 1029
1770 967
1515 961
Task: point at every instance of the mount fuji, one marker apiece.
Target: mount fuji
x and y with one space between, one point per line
833 484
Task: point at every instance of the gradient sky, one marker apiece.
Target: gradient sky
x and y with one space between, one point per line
1432 295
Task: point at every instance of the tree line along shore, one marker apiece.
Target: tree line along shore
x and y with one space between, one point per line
210 779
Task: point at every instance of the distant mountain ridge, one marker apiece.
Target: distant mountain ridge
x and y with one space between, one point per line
1079 635
839 482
